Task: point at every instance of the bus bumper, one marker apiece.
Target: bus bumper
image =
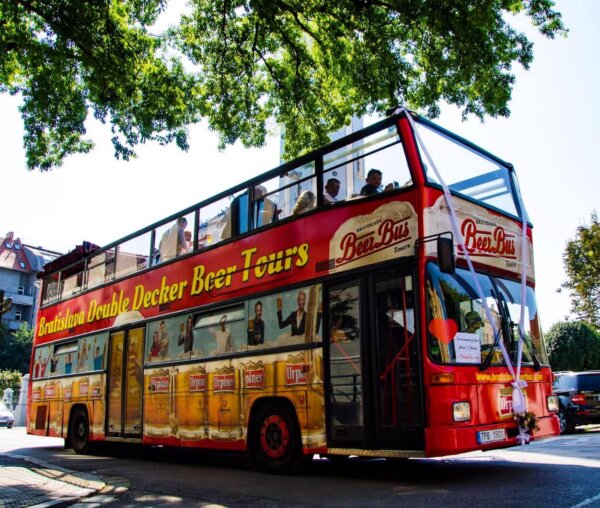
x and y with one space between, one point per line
452 440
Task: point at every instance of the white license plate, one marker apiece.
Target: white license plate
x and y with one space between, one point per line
491 436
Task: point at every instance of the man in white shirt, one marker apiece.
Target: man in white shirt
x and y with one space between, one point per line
173 242
222 336
332 188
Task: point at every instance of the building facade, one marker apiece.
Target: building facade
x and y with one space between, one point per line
19 265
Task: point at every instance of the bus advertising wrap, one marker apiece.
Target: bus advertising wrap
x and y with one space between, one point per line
302 249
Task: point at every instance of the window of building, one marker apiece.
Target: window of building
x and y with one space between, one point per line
22 264
21 290
8 245
18 315
17 246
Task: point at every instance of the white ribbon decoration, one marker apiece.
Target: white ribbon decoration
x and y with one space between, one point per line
519 404
523 436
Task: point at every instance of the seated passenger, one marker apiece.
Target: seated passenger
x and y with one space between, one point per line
332 189
306 201
173 242
373 185
266 211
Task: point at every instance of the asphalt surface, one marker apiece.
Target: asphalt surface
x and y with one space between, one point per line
26 481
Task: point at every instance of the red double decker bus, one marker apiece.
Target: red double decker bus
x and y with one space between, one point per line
310 310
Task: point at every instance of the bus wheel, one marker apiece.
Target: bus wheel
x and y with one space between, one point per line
275 445
80 431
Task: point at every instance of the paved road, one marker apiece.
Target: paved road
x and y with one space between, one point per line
561 472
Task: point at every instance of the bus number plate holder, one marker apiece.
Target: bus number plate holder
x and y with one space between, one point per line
491 436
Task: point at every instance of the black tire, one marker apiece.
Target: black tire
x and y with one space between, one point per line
275 445
566 426
79 432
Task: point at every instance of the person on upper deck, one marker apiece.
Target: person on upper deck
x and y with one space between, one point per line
306 201
332 189
266 210
373 185
173 242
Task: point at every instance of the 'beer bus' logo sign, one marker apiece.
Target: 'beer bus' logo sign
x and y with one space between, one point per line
159 384
385 233
489 238
483 238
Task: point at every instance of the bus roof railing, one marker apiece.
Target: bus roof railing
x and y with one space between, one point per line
280 170
64 263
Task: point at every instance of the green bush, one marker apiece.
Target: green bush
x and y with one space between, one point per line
573 345
10 379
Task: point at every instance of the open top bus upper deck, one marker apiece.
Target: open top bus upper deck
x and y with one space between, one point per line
275 197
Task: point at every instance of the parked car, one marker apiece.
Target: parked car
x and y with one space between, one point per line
7 419
578 397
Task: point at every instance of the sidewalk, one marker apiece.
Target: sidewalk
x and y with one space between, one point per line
28 482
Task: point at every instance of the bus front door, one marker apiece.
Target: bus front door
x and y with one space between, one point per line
125 383
374 395
396 380
346 392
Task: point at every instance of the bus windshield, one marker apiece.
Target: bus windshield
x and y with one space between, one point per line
459 329
472 174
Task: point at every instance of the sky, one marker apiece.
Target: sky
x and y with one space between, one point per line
552 138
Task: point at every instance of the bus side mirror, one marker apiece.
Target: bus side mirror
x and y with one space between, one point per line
445 253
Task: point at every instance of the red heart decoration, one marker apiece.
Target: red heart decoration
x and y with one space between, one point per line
443 329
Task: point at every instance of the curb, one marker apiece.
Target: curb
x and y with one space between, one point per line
38 484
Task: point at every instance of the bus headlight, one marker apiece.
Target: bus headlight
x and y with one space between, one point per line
461 411
552 403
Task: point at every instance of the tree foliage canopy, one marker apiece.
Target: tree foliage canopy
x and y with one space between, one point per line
573 345
15 353
243 66
10 379
582 264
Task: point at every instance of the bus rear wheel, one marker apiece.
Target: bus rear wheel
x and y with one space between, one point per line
80 431
275 445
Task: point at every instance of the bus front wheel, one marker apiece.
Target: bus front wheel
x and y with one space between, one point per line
275 445
80 431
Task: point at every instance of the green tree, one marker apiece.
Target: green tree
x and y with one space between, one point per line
4 336
10 379
307 65
17 352
582 264
573 345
